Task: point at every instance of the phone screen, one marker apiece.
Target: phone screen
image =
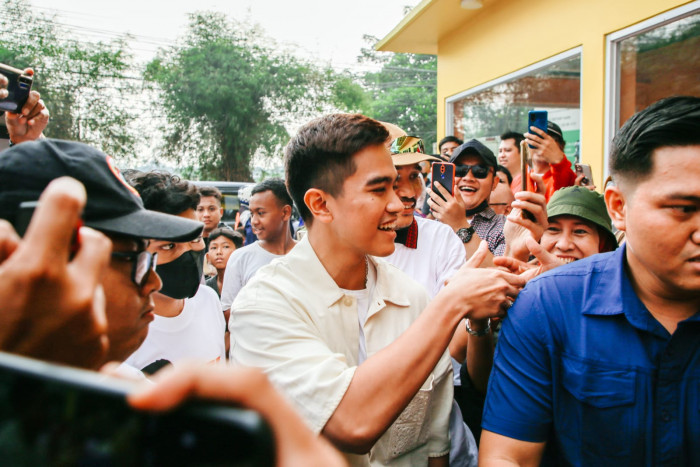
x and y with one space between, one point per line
53 415
444 174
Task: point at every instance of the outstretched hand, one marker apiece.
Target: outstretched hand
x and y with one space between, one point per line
30 122
543 262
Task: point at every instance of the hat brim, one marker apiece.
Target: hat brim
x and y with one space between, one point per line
150 224
408 158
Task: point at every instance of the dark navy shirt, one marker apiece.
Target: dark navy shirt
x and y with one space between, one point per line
581 362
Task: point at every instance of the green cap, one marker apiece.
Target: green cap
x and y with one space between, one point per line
580 202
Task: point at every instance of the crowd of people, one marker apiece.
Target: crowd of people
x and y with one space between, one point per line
404 324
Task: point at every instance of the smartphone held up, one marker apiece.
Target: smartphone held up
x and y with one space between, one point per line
19 84
444 174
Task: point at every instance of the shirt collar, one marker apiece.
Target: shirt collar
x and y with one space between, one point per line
408 236
487 213
304 258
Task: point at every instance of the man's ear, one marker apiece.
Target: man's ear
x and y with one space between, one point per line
286 212
617 206
496 179
316 200
221 211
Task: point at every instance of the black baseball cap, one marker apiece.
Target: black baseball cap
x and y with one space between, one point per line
113 206
477 148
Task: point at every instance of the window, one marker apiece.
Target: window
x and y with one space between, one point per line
487 111
649 61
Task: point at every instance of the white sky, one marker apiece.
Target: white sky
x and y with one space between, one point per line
328 30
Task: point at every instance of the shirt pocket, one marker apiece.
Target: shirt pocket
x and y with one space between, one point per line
412 428
597 411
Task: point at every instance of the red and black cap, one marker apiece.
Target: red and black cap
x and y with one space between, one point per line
113 206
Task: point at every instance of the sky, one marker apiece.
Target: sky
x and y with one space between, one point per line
326 30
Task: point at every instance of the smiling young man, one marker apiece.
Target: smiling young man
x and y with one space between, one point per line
271 209
600 357
209 211
350 339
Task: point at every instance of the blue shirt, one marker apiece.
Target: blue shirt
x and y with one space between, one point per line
582 362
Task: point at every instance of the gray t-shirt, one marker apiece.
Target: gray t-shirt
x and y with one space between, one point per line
241 267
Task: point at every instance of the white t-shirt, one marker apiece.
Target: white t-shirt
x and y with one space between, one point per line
240 268
196 333
438 256
362 297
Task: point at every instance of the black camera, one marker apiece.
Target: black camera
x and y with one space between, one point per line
18 87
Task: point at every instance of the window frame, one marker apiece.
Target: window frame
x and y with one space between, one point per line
612 67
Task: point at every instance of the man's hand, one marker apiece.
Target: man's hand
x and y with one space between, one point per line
518 227
53 308
29 124
543 146
450 211
247 387
579 182
483 293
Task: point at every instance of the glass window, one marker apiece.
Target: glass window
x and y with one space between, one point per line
488 111
658 63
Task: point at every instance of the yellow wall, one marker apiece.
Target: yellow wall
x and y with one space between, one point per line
508 35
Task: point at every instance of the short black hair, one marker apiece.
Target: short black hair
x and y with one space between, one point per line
277 187
211 191
449 139
674 121
165 192
321 154
557 135
518 137
500 168
233 235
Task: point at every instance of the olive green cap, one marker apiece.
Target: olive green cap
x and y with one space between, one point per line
580 202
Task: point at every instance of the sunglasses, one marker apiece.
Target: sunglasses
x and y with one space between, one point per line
405 144
144 263
479 171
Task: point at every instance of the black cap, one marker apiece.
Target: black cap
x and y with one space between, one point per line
555 132
477 148
113 206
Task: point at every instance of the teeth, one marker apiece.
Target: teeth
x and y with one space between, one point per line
467 189
567 260
388 227
408 206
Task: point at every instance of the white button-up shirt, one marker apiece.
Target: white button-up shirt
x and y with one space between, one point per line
293 321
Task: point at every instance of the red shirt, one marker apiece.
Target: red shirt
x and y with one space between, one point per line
558 176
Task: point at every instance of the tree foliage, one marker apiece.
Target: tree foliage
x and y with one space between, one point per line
403 91
227 93
84 84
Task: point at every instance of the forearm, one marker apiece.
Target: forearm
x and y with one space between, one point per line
479 356
458 344
386 382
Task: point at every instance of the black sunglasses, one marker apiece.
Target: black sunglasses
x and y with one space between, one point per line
479 170
144 263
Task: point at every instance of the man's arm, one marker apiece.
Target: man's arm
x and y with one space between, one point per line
387 381
497 450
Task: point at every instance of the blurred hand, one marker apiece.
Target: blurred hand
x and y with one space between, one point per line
483 293
544 261
29 124
249 388
579 182
543 146
53 308
3 86
450 211
518 227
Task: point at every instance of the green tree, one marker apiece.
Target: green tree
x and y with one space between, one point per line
403 91
85 85
227 93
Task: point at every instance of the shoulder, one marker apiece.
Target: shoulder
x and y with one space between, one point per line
205 297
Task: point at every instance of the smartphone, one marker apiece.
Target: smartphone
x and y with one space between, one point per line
18 86
54 415
444 174
584 169
538 119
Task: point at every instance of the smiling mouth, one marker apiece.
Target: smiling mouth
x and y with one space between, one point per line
567 259
389 226
408 203
467 189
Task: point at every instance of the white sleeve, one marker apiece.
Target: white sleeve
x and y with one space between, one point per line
453 256
233 282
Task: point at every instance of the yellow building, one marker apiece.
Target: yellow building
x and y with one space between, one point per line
590 63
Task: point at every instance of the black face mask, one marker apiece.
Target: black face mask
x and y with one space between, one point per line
181 277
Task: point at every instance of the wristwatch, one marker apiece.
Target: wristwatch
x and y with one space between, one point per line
481 333
465 234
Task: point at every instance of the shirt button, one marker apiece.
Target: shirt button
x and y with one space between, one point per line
348 301
665 416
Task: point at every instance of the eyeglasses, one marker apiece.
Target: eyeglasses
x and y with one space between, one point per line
144 263
404 144
479 171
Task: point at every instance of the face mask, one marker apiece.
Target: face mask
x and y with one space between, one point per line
181 277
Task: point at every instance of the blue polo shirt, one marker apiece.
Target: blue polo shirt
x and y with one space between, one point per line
581 362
